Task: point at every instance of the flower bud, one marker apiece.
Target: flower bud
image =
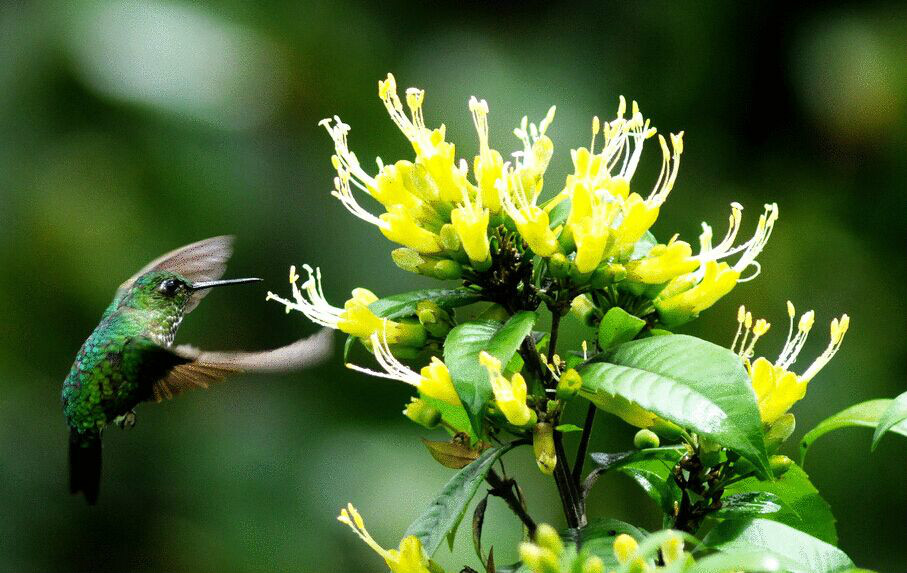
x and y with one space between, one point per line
538 559
594 564
624 548
449 238
421 413
559 265
547 537
543 446
584 309
779 464
608 274
780 431
569 384
411 261
646 439
434 318
672 549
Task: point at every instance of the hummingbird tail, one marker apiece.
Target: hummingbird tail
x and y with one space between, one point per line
85 464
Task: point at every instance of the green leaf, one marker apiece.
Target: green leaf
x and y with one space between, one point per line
461 355
753 561
894 417
559 213
798 551
693 383
444 513
404 304
749 504
801 505
865 414
470 379
618 326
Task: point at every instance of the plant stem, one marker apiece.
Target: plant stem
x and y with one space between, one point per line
569 497
504 489
583 445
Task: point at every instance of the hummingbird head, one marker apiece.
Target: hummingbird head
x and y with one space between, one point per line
166 296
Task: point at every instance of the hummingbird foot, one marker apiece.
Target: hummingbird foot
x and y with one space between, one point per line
126 421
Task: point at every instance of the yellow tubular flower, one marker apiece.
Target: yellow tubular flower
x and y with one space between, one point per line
354 318
470 221
510 395
663 263
638 217
591 238
410 558
488 164
433 381
718 279
400 227
777 388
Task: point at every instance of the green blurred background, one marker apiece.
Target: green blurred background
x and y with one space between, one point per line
129 128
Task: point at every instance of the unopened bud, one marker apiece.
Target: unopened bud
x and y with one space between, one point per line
538 559
672 549
779 464
780 431
608 274
559 265
547 537
569 384
543 447
434 318
624 548
594 564
446 270
584 309
646 439
414 262
449 238
421 413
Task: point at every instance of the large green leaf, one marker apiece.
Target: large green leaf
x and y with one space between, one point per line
801 505
445 512
865 415
752 561
693 383
461 354
404 304
894 419
798 551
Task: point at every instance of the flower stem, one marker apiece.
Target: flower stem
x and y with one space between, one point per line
503 488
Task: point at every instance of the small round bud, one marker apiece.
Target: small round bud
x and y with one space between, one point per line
559 265
421 413
569 384
585 310
594 564
624 548
646 439
547 537
608 274
449 238
779 464
447 270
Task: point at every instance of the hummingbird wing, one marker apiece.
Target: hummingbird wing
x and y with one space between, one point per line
201 261
194 368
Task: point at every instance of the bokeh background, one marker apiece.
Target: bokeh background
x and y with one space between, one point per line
131 127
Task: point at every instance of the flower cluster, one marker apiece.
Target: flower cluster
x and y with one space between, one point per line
590 230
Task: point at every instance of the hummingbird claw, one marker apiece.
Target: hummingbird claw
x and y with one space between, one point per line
126 421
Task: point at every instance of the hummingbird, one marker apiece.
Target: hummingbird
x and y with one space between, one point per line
129 358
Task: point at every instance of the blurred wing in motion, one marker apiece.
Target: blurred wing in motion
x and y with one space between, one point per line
194 368
202 261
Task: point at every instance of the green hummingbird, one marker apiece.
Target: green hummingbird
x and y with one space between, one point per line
129 358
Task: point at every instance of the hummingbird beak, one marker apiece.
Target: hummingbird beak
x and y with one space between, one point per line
211 284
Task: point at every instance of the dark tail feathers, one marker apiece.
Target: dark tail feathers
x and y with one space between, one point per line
85 464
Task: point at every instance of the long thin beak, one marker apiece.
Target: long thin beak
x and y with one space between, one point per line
210 284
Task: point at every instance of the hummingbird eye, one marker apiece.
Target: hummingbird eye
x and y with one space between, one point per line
168 287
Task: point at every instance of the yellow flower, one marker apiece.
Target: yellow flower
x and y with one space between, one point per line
777 387
509 395
663 263
470 221
688 295
409 558
400 227
488 164
433 381
355 318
